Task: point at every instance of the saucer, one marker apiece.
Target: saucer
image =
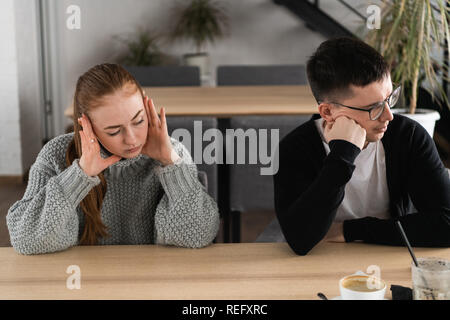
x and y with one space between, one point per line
339 298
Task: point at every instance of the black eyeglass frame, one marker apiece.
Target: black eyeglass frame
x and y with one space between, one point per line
373 105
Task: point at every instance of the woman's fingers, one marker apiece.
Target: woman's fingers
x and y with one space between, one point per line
147 110
82 138
86 138
111 160
84 142
163 118
155 118
87 127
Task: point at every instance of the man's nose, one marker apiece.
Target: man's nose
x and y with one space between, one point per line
387 114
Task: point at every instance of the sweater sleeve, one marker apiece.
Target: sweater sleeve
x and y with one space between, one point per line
186 215
45 220
306 199
428 185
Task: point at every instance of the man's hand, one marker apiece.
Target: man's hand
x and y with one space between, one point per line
336 233
344 128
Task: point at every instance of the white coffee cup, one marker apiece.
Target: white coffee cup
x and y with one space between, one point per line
362 287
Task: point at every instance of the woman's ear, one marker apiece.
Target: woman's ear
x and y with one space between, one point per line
325 111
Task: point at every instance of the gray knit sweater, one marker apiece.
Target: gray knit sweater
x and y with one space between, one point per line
145 203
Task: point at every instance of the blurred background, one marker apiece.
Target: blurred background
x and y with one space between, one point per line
46 45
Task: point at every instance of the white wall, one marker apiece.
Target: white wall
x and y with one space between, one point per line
10 147
30 93
21 100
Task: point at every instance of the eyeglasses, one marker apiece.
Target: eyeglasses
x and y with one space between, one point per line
375 110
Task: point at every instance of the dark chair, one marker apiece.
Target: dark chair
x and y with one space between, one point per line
249 190
165 76
272 233
186 126
247 75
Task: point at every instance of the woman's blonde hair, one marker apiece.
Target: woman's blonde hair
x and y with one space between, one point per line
97 82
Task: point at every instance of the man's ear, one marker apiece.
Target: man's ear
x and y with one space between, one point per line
325 111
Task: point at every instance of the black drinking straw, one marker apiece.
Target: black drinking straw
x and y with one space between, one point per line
405 240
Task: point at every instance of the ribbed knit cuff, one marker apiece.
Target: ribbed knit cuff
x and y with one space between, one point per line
76 184
344 150
339 163
355 229
176 180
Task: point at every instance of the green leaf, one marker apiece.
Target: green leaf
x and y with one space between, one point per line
142 49
411 31
201 21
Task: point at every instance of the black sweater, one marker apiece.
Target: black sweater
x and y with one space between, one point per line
309 187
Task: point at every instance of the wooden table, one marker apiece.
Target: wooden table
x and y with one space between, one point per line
220 271
226 101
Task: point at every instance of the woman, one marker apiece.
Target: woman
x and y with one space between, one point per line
117 179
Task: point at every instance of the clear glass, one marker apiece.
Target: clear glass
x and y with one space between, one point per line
431 280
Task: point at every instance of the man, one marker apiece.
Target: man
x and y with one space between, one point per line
350 173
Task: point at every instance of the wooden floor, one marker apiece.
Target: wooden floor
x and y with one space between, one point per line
253 223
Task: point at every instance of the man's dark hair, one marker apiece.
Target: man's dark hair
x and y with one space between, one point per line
339 63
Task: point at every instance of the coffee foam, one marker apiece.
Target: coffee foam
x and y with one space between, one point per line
361 283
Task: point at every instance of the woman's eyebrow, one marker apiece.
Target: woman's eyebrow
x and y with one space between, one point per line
118 126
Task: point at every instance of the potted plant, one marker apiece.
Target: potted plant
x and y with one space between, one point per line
411 32
200 21
142 49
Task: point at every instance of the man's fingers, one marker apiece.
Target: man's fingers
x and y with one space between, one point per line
341 118
344 120
326 130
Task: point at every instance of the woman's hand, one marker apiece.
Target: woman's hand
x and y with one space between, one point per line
91 161
158 145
